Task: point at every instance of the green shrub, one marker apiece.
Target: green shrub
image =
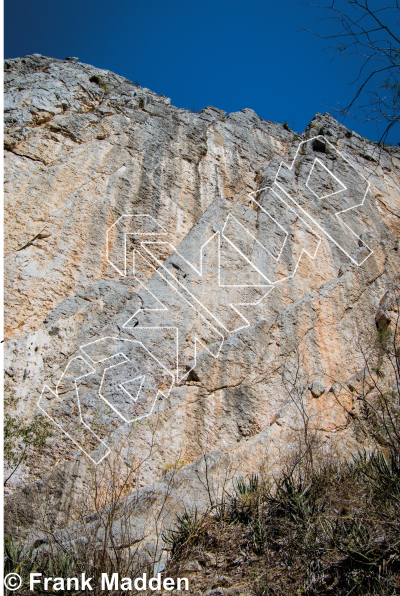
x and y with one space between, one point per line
20 437
189 530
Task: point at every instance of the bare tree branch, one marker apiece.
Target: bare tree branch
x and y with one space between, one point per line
369 34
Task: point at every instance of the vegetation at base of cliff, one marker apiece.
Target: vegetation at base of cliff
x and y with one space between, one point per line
325 526
16 560
336 532
19 436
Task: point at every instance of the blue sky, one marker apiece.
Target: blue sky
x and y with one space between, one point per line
229 54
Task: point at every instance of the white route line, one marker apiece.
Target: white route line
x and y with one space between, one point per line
197 340
140 378
338 213
199 272
132 341
56 394
318 161
92 371
303 251
124 219
277 189
230 216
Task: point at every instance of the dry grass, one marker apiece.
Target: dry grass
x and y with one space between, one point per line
337 532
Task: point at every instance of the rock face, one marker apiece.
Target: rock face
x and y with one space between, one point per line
175 283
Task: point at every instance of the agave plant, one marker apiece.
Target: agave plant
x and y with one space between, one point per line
293 499
245 502
188 531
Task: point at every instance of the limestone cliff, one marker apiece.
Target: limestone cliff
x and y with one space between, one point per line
167 276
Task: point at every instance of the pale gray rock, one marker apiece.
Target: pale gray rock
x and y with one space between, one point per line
83 147
317 389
